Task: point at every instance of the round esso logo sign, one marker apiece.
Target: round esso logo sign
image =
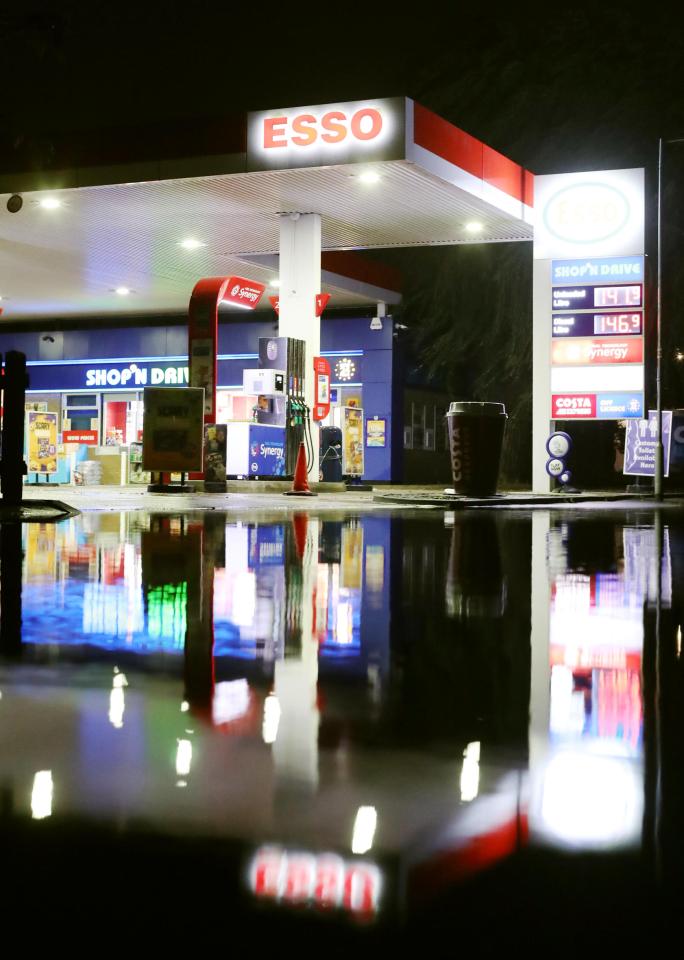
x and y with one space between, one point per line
587 213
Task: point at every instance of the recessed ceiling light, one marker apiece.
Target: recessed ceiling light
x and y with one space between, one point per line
122 291
275 283
50 203
474 227
191 244
369 176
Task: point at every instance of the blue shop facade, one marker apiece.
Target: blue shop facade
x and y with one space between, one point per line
92 375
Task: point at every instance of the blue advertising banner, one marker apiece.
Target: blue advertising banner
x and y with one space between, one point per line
640 445
619 406
600 270
266 450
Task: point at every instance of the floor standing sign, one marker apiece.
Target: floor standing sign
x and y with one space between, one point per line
641 439
588 342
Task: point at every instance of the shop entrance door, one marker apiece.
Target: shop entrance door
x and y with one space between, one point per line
122 418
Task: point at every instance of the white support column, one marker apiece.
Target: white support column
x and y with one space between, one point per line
300 282
541 373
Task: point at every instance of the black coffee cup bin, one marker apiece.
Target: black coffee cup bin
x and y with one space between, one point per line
476 432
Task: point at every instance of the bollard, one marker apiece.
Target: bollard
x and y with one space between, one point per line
12 466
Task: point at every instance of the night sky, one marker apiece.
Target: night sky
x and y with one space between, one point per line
565 88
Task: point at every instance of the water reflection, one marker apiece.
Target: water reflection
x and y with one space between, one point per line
441 690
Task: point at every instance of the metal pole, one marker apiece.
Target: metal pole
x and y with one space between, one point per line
658 475
659 453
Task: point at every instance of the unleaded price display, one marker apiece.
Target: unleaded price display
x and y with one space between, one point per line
586 297
598 324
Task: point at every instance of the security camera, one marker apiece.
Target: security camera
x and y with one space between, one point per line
15 203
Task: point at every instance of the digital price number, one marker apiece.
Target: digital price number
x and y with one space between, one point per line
605 323
586 297
623 296
598 324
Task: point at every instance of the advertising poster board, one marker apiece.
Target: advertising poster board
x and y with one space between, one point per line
352 442
376 430
173 431
641 439
42 442
215 452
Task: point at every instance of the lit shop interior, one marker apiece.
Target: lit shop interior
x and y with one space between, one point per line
94 390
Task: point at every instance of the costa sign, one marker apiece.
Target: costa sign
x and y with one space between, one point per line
331 133
573 406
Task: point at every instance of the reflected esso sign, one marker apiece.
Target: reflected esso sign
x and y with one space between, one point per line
587 212
364 125
324 880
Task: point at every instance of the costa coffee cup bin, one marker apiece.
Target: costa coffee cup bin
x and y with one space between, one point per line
476 432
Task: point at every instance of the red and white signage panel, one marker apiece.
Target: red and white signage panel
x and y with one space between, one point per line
321 407
580 406
88 437
321 302
243 293
587 352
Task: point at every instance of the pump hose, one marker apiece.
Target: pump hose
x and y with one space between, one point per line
308 439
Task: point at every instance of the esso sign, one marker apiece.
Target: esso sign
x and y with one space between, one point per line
358 131
587 212
334 126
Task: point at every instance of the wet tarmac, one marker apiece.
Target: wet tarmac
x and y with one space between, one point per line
378 727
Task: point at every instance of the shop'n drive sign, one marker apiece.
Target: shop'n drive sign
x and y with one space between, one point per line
354 132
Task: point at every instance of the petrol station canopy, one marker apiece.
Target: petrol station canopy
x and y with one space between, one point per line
381 174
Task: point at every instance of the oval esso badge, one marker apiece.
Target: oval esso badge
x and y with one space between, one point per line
586 213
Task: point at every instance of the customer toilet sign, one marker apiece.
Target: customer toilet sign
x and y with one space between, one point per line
641 440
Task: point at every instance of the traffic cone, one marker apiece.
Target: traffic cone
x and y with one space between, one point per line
300 485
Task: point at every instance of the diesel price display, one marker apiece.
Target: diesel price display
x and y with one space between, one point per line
584 298
597 324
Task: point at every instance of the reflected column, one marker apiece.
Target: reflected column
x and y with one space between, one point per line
295 750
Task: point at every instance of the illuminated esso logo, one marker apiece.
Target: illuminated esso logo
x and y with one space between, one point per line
335 126
587 213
